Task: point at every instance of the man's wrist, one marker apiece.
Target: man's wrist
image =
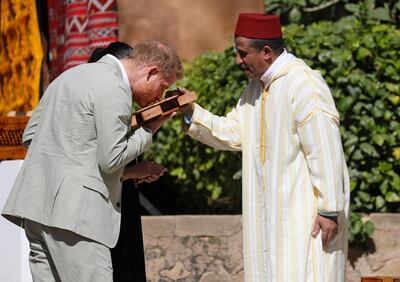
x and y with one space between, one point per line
328 214
187 119
148 130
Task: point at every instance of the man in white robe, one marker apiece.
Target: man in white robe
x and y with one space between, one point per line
295 179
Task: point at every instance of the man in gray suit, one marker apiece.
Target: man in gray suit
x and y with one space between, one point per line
67 194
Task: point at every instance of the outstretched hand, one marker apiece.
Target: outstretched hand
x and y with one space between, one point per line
327 225
145 171
188 108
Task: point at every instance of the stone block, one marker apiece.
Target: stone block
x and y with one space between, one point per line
209 248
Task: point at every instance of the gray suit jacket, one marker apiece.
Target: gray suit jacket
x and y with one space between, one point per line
80 140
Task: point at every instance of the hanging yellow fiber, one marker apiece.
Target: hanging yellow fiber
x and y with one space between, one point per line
20 56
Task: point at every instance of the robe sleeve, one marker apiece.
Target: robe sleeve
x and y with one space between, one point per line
222 133
317 126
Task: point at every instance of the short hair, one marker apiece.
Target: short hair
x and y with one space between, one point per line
118 49
276 44
156 53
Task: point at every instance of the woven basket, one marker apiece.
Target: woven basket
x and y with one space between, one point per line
11 129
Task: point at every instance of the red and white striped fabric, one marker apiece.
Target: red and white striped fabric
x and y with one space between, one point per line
76 28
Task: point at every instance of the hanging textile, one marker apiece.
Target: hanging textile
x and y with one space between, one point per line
20 56
76 28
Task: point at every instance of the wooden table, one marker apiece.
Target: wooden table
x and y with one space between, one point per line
380 279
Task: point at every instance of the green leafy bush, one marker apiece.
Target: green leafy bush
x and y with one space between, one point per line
201 179
361 64
309 11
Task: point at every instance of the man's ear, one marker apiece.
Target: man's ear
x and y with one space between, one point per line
152 71
267 52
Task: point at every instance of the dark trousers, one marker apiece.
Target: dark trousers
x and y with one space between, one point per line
128 254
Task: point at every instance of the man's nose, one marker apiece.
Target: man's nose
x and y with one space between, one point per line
239 60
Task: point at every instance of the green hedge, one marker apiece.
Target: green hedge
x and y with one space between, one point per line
360 63
201 179
309 11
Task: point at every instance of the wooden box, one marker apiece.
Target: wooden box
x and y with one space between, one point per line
172 103
380 279
11 129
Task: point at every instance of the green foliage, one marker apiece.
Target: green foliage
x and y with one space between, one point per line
360 231
203 175
367 10
309 11
360 62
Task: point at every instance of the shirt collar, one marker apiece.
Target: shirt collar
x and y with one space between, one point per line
121 66
276 66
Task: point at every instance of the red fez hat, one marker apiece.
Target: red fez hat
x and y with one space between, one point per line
256 25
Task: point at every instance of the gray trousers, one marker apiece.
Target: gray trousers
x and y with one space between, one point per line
61 255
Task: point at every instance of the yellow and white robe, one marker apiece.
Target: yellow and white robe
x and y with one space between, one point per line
286 126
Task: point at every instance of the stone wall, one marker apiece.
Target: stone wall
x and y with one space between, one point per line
191 27
382 256
209 249
193 248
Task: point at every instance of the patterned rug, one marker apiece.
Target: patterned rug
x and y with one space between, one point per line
76 28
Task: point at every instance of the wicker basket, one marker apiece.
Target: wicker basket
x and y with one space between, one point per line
11 129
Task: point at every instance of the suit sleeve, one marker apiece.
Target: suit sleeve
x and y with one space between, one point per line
116 146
